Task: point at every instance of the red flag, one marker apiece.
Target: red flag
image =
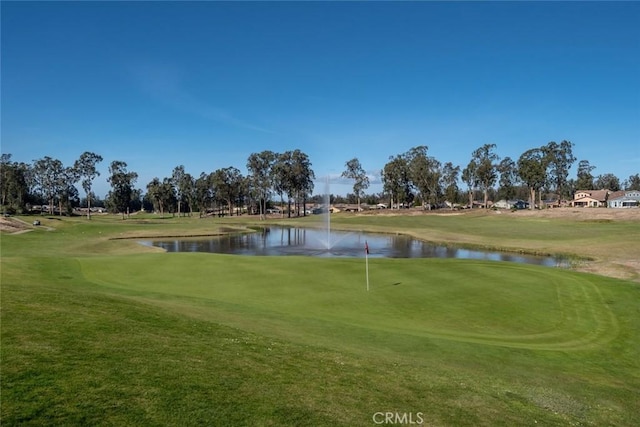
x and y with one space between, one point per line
366 248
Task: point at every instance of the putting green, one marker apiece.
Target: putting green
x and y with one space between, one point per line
502 304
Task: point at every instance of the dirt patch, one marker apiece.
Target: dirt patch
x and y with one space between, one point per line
617 262
583 214
13 226
580 214
612 261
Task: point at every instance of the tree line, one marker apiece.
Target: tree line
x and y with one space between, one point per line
538 171
409 178
47 182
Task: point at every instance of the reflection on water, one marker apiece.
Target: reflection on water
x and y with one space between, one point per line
313 242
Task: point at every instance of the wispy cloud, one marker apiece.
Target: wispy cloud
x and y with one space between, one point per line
164 84
337 178
630 160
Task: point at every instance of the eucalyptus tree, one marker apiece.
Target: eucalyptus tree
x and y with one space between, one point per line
183 184
585 178
161 193
508 171
395 180
243 197
180 185
355 171
236 188
607 181
6 177
302 177
560 158
203 192
282 179
219 185
122 190
67 191
632 183
14 184
96 201
135 203
169 192
261 177
532 169
226 183
188 191
425 173
87 171
470 177
572 186
450 175
253 198
48 176
485 159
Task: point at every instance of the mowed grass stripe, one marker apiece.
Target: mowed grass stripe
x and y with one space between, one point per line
483 302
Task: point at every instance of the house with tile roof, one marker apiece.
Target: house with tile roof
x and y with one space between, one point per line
590 198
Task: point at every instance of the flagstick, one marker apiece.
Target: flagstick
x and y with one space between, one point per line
366 260
367 263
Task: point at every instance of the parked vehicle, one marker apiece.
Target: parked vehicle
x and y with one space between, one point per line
520 204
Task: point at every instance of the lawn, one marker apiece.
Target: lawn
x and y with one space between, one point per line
99 330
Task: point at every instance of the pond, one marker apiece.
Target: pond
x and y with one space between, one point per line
277 241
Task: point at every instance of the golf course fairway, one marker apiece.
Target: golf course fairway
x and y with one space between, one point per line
103 331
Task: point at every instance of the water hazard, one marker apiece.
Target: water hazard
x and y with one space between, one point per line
277 241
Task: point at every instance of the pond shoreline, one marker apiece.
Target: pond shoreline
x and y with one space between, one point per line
469 246
278 240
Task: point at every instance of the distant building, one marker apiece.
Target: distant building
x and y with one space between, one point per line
511 204
503 204
590 198
624 199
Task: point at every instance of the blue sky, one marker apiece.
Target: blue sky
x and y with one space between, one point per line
205 84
